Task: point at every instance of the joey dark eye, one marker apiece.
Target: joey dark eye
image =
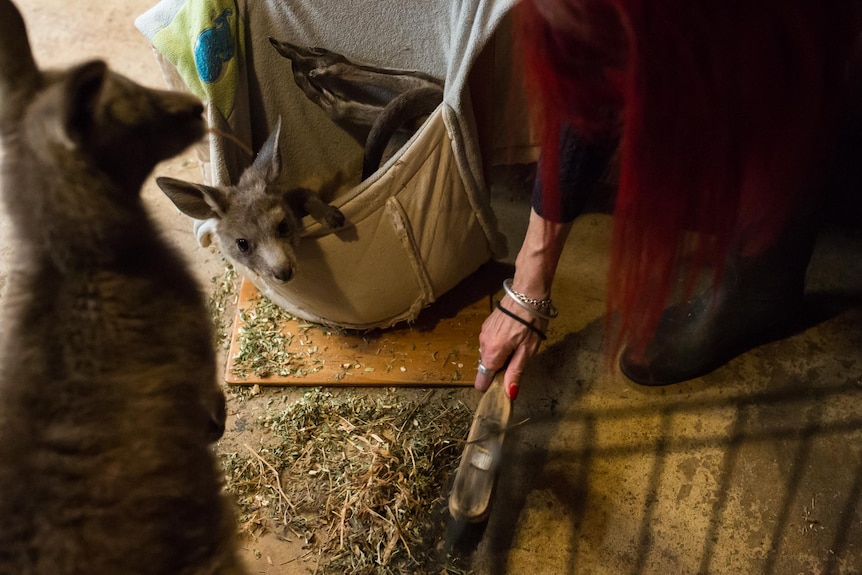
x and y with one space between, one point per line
242 244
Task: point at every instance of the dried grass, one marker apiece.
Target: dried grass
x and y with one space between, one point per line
264 350
363 480
222 301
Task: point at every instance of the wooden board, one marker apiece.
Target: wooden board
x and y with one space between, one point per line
439 348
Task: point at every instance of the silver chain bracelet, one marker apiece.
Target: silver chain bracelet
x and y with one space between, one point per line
537 307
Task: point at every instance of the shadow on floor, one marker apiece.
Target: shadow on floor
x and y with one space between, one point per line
709 476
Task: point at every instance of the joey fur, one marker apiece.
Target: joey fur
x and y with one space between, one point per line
109 402
258 221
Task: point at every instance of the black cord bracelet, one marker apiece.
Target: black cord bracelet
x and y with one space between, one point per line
532 328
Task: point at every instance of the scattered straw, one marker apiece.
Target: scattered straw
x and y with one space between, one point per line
222 301
264 349
362 480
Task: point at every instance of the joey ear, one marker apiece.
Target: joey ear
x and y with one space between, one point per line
81 92
195 200
268 160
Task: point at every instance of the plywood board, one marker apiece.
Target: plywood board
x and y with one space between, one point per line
439 348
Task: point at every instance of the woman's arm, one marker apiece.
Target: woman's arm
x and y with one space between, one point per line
504 338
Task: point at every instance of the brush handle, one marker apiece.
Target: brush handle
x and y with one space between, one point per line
474 481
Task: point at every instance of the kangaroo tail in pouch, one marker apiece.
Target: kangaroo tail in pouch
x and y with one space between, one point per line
404 108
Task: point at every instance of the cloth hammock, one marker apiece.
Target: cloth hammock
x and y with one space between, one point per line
420 224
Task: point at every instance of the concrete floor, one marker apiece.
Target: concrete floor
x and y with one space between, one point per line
756 468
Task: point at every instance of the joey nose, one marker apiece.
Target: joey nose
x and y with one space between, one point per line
283 274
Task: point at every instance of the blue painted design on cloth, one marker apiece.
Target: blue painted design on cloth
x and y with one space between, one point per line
214 47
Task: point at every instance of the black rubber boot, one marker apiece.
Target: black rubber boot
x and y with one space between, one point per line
757 301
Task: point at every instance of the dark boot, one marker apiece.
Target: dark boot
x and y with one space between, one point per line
756 301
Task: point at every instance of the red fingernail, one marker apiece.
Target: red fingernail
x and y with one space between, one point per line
513 392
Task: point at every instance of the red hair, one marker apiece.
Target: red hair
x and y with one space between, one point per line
724 110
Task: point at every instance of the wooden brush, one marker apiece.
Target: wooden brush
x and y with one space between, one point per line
474 481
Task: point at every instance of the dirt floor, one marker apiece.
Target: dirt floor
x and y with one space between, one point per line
756 468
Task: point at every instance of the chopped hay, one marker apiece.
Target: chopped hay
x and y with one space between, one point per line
222 301
264 349
362 480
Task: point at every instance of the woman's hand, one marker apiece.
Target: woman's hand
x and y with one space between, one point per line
503 340
506 342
